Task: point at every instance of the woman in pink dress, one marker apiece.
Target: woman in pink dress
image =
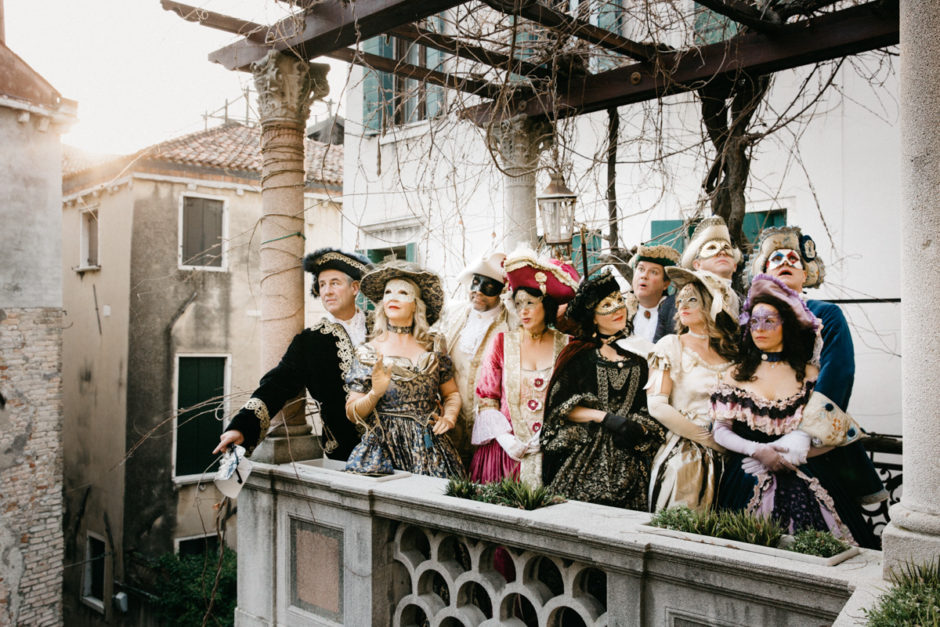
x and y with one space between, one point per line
513 381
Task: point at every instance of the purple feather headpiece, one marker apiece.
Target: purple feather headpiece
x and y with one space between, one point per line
764 284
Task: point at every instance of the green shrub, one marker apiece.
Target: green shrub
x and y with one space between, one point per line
913 599
185 584
814 542
508 492
739 526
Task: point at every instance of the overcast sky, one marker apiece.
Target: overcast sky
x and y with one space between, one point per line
140 74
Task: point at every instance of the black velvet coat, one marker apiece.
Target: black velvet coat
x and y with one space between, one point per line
317 359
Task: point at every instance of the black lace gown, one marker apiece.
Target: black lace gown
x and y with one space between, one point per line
581 461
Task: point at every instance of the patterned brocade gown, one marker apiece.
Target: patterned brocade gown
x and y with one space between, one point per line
398 433
581 460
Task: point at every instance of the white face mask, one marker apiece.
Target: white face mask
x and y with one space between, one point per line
401 291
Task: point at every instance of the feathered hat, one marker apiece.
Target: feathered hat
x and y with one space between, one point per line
590 293
429 284
549 276
764 284
775 238
711 228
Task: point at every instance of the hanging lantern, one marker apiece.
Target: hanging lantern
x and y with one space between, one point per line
556 204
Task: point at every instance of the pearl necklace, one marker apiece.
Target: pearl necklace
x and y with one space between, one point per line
701 336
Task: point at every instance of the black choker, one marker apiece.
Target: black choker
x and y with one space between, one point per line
772 357
607 339
400 330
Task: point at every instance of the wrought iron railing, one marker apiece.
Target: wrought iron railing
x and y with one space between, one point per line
885 452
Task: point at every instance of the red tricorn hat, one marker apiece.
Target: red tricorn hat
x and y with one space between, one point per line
549 276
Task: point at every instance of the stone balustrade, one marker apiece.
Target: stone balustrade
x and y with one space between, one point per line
317 546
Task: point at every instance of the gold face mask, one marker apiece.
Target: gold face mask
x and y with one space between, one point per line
524 300
715 247
612 303
688 299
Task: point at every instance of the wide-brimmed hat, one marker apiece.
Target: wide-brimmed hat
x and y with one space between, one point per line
432 293
490 266
711 228
549 276
590 293
775 238
352 264
766 285
723 297
660 253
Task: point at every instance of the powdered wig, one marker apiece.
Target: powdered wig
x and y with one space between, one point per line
421 330
722 332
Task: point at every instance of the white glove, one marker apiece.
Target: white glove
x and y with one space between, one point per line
797 444
533 445
513 447
752 467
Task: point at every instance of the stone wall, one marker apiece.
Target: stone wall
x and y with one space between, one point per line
31 564
318 546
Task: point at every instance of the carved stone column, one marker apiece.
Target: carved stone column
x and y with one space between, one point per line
518 141
287 86
914 531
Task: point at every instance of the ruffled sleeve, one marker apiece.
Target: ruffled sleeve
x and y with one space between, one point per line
665 356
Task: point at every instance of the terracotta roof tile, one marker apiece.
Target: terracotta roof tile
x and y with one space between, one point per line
231 146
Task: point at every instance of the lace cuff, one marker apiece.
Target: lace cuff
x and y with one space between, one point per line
257 406
488 424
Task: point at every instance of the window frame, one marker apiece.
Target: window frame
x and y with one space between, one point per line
223 266
84 237
226 390
86 597
181 539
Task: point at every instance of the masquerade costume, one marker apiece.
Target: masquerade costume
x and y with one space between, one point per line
826 418
398 431
588 461
469 333
687 472
509 398
665 311
812 497
318 360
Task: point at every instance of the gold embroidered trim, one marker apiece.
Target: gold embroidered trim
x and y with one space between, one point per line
257 406
344 347
344 259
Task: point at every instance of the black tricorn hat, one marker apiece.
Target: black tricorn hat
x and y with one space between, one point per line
352 264
590 293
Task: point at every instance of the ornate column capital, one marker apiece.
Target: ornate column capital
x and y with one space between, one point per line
287 86
518 142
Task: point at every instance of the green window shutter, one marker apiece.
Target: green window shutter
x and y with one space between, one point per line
711 27
202 232
435 61
670 233
200 379
594 246
411 252
757 221
377 87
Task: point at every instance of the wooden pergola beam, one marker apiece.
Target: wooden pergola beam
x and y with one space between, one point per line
328 26
407 70
451 45
833 35
250 30
558 20
745 14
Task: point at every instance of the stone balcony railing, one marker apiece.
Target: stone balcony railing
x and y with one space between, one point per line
317 546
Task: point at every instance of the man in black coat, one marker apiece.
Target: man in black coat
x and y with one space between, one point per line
317 359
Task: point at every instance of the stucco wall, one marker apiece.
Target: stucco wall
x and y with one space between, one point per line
94 372
31 180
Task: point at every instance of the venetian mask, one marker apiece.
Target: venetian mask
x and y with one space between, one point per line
688 299
784 256
524 300
764 320
400 290
612 303
715 247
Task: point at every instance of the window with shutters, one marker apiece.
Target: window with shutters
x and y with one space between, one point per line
88 247
201 386
202 233
393 100
676 233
